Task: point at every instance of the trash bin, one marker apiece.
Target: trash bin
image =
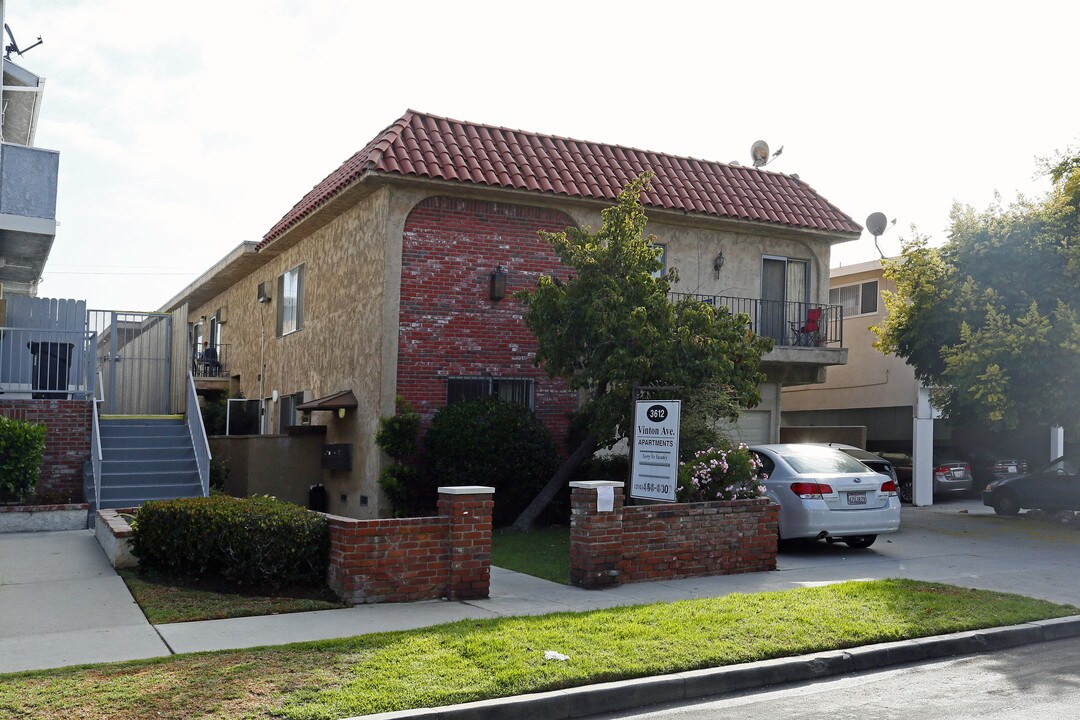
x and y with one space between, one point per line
317 499
50 372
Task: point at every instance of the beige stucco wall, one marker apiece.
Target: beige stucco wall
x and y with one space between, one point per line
692 248
869 379
340 346
283 466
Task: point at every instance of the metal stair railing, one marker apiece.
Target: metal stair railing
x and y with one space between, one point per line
199 441
95 443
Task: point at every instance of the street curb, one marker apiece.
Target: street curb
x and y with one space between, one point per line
607 697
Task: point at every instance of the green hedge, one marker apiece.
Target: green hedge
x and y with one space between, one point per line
254 541
22 450
492 442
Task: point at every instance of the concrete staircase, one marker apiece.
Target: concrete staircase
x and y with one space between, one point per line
145 459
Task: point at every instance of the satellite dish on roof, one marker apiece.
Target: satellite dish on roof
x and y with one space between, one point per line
759 153
876 223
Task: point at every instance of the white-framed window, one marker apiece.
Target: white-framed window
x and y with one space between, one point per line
663 260
856 299
287 410
290 306
518 390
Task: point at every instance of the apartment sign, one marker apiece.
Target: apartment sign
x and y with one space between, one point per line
655 450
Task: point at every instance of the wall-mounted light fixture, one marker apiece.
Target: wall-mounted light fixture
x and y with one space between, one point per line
718 264
498 283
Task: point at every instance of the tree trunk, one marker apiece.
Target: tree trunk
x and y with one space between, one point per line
528 516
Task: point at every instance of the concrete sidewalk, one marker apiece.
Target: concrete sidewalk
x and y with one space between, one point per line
61 603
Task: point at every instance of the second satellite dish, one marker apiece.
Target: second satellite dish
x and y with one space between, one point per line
759 153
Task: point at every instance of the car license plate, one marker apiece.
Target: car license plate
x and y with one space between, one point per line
958 472
856 498
1012 469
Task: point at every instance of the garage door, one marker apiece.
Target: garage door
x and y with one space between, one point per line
753 427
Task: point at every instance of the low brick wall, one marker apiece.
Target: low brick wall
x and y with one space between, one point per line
113 534
666 542
409 559
67 444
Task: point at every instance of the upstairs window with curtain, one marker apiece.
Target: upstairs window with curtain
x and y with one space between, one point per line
290 307
857 299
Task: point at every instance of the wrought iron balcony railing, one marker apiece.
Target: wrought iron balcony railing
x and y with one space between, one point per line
789 324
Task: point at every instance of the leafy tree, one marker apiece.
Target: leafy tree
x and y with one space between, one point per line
991 319
612 325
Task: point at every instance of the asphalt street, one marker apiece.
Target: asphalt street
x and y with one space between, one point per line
1035 681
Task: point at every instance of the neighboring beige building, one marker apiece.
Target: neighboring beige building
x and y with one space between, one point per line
873 390
382 281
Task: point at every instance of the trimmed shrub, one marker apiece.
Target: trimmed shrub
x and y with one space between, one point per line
492 442
22 450
256 541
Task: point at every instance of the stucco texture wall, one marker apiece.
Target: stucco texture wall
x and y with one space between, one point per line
691 250
339 347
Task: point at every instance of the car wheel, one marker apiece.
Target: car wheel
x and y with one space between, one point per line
860 541
905 493
1006 503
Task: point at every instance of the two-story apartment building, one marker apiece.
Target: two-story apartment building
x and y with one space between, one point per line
395 277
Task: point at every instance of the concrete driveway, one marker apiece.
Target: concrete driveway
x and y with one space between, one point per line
957 541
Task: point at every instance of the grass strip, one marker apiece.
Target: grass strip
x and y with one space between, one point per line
163 600
478 659
542 553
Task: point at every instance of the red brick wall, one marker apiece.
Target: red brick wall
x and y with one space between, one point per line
666 542
406 559
67 444
449 326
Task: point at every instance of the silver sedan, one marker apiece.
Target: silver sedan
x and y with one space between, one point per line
828 495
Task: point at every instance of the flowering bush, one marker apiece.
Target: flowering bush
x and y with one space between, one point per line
719 474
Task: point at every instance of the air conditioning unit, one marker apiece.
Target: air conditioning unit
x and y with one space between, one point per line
264 292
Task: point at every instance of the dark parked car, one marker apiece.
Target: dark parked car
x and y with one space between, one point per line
1053 487
987 467
874 462
950 475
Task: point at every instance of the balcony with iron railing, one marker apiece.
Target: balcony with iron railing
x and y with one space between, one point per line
806 337
210 363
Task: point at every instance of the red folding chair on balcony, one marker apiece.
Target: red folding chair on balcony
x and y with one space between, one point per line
809 334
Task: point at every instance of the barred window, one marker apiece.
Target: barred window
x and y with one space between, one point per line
517 390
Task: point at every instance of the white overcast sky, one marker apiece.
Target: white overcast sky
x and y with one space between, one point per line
186 128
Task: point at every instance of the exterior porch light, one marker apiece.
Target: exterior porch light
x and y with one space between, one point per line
718 263
498 283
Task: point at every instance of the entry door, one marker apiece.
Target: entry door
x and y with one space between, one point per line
785 290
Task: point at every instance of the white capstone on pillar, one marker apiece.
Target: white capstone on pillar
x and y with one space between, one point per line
922 455
1057 442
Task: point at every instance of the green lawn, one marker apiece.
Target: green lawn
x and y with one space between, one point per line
544 553
476 659
167 601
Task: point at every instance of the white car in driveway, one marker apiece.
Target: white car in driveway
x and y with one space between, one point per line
826 494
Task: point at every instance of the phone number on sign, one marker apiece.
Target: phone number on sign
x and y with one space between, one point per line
657 488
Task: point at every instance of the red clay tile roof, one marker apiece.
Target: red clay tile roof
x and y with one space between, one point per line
433 147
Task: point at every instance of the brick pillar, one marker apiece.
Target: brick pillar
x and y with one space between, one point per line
595 536
469 509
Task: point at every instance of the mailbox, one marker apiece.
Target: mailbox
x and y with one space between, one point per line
337 456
